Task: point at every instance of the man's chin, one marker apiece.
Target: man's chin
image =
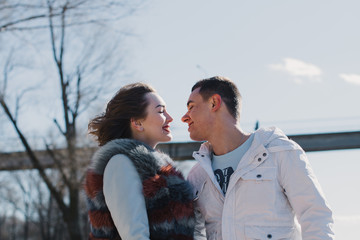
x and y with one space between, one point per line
196 138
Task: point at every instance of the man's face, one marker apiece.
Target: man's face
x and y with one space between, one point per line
198 116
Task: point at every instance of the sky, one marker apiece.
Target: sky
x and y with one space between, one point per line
296 64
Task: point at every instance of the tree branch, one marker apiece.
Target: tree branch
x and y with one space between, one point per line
59 127
35 161
62 33
27 19
20 5
18 99
7 68
78 95
58 164
52 34
59 63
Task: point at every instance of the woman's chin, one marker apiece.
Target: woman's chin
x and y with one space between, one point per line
168 137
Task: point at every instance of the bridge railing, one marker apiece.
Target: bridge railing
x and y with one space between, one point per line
183 150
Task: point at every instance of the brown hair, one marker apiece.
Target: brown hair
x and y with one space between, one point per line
225 88
129 102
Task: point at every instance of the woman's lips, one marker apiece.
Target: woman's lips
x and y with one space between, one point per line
166 128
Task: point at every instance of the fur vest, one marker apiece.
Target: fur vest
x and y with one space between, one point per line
168 196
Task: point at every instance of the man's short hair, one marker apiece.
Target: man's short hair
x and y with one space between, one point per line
225 88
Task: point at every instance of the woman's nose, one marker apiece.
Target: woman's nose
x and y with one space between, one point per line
168 117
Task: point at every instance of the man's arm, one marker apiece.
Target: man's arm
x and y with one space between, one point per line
305 196
200 230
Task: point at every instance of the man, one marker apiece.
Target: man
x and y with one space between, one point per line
249 186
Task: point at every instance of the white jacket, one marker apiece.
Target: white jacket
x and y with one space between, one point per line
272 190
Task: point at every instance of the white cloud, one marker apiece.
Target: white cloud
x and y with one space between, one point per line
298 69
351 78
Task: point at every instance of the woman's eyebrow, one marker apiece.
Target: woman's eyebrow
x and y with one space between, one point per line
160 106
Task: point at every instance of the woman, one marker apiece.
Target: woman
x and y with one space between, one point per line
134 192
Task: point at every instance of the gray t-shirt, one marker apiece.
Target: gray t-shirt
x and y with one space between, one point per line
225 165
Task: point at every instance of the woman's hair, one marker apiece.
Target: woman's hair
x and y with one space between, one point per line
129 102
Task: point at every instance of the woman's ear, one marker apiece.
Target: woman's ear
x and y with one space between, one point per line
136 124
215 101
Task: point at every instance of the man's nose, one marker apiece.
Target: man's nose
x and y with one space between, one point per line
185 118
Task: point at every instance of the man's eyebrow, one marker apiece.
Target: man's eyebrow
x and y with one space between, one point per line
190 101
160 106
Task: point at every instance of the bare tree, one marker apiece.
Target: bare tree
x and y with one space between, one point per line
81 69
30 212
26 15
21 202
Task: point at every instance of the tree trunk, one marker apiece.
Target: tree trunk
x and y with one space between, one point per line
72 218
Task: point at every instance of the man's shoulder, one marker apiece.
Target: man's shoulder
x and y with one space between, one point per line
195 170
197 174
283 144
275 139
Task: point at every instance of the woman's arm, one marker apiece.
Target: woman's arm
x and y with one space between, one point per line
124 198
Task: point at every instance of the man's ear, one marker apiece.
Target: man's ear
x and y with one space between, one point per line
136 124
215 101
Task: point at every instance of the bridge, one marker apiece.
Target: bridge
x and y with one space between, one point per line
183 150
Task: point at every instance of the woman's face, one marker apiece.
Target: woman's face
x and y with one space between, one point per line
156 126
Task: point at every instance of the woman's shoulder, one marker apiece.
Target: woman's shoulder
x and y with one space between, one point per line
118 173
118 161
